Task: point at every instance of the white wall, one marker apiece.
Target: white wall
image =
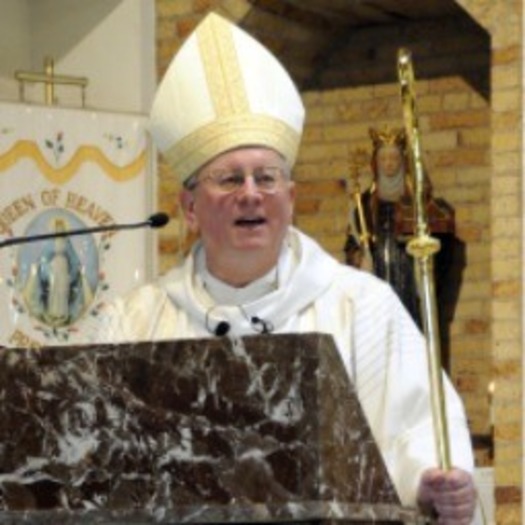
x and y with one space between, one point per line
111 42
15 43
14 35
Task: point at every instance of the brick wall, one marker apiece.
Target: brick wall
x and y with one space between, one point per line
472 134
455 131
506 212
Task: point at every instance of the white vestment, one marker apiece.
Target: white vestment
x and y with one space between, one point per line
309 291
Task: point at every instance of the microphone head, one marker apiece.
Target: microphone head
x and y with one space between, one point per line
222 328
158 220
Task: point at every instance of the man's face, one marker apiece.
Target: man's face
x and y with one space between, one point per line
247 219
389 161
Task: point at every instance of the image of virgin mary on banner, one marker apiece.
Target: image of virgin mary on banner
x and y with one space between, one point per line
59 278
63 170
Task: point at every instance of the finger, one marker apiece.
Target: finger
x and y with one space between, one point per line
455 513
466 521
454 521
454 494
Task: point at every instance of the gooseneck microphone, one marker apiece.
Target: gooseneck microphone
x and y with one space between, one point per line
157 220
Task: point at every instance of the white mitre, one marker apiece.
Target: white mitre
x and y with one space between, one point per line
224 90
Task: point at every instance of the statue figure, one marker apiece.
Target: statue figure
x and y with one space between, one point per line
386 222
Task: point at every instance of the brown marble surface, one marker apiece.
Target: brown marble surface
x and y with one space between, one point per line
262 429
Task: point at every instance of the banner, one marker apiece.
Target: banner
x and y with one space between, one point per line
60 170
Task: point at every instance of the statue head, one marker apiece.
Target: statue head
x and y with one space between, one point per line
389 156
389 162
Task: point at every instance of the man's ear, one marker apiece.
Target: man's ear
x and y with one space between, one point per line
187 203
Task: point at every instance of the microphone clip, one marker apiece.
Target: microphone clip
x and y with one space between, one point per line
261 326
223 327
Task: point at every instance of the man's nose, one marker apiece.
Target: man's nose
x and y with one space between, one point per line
249 187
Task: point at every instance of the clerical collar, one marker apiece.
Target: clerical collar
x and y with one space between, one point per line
222 293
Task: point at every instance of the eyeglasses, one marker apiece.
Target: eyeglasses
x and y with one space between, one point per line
267 179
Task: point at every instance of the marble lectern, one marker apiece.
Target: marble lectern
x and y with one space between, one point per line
263 429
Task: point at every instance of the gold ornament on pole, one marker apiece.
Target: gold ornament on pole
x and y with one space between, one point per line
356 163
423 247
358 160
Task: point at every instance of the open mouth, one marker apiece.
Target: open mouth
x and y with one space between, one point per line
250 223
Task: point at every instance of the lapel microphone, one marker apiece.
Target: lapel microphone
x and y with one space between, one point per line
265 326
222 328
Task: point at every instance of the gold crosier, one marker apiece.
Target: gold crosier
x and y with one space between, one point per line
423 247
364 236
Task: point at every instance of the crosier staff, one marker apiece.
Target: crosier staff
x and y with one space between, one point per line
364 236
423 247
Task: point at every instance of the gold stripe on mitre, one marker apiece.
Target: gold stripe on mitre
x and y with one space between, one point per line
221 66
228 133
233 125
